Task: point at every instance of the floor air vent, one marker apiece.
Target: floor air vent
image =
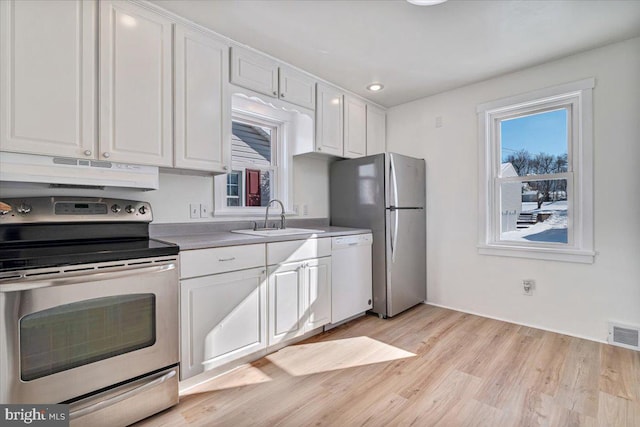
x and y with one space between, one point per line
624 336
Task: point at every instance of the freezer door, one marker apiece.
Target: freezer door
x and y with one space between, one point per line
357 192
406 181
406 259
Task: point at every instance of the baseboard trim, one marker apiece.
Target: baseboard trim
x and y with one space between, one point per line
475 313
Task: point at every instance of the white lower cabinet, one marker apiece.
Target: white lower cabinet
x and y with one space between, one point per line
232 305
317 293
299 298
286 302
299 287
223 318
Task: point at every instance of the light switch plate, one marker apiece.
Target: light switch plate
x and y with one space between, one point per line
194 210
204 211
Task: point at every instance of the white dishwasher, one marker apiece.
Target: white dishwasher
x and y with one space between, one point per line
351 285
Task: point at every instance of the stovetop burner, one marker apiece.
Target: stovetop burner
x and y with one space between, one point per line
57 231
55 255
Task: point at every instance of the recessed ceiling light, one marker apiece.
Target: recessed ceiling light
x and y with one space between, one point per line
426 2
375 87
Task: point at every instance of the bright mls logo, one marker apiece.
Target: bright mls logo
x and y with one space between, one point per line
36 415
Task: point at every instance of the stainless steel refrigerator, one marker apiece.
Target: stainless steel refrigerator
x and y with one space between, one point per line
386 193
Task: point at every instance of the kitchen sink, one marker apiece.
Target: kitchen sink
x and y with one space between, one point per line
278 231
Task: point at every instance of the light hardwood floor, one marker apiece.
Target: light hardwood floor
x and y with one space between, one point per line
427 367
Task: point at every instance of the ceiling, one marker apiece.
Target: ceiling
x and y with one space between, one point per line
414 51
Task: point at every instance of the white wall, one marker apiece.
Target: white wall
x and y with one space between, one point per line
311 185
576 299
170 203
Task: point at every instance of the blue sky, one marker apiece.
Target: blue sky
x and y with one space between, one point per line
539 133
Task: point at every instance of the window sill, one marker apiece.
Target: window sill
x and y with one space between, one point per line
252 214
547 254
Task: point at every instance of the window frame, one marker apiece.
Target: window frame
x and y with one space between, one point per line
577 97
276 128
280 164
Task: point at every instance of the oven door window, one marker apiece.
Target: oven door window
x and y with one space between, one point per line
84 332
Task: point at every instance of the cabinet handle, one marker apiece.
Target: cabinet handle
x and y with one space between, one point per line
319 148
275 93
87 152
106 155
226 259
282 95
224 168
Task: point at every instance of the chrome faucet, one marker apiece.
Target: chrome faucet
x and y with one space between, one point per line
266 215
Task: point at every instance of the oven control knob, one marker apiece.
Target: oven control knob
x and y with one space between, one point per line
143 210
116 208
24 208
130 209
5 208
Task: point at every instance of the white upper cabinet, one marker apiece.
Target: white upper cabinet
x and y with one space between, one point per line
202 104
254 71
346 126
376 130
355 127
47 77
329 116
297 88
262 74
135 85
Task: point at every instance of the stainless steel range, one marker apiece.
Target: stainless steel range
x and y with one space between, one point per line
89 307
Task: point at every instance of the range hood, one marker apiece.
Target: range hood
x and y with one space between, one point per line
65 171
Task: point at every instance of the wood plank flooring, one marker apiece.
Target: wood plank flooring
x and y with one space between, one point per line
427 367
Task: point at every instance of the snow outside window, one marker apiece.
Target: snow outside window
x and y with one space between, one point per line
536 196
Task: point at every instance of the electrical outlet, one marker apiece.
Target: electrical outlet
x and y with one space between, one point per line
194 210
305 210
439 121
527 286
204 211
296 210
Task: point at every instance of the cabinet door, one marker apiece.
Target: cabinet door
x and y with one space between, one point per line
286 302
47 77
202 107
254 71
317 293
329 107
355 127
222 318
376 130
135 85
297 88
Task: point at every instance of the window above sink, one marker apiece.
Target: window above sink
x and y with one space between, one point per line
263 134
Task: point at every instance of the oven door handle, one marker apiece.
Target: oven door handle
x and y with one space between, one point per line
119 398
116 273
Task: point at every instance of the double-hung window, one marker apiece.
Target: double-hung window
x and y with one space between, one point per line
536 167
252 181
260 159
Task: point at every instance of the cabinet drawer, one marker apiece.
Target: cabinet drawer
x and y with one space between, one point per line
297 250
201 262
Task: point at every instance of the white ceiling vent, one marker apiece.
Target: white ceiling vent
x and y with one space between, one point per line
624 336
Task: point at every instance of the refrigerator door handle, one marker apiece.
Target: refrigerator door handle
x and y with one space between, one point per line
395 236
392 168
